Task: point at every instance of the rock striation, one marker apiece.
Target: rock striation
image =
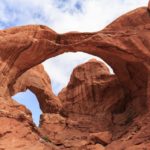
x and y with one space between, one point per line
97 110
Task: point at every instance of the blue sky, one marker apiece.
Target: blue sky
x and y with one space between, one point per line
30 101
62 16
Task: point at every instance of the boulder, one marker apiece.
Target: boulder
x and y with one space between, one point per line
103 138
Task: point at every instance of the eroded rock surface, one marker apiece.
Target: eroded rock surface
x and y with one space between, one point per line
88 103
17 130
94 101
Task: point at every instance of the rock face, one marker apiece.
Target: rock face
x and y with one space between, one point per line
91 95
87 119
88 104
94 101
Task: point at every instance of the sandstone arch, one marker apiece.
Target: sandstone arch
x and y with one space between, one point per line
38 82
124 45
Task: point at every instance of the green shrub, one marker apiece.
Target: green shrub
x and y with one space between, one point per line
46 139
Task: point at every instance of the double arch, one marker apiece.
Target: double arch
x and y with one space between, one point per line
124 45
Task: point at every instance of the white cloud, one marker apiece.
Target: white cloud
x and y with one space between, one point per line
63 16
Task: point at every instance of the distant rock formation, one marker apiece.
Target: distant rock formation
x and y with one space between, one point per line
97 110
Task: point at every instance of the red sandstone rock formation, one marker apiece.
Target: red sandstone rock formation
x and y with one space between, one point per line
37 80
123 44
103 103
17 131
89 103
91 95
